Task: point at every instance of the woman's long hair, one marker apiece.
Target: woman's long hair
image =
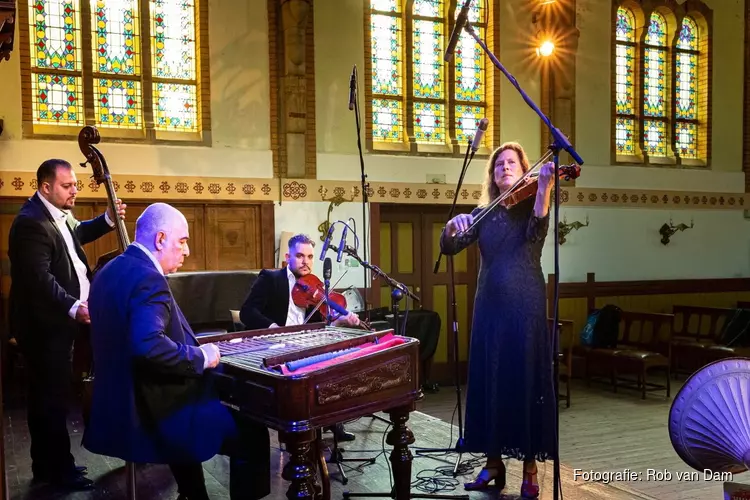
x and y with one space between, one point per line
490 191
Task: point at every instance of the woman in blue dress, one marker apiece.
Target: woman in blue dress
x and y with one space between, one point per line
510 395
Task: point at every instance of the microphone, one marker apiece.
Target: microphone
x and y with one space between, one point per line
353 88
461 20
327 270
342 244
483 123
327 242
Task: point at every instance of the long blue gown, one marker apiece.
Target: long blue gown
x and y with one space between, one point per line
510 394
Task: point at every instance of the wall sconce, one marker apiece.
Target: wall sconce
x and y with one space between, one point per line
335 202
667 230
564 228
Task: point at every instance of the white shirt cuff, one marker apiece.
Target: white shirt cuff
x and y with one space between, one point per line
74 309
109 221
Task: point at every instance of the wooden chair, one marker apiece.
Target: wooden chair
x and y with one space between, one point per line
696 329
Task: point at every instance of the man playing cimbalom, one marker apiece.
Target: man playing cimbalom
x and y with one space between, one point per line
48 308
269 303
153 401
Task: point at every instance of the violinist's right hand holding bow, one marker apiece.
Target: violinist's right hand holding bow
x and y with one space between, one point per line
459 223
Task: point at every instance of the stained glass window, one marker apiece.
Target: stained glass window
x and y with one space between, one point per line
386 39
686 93
655 86
60 71
624 82
469 60
56 63
431 94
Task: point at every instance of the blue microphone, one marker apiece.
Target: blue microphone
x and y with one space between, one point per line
327 242
342 244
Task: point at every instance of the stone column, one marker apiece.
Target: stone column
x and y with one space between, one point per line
294 17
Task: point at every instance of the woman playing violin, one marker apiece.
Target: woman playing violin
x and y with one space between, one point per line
510 394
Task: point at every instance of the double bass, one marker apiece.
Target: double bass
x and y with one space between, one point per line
89 136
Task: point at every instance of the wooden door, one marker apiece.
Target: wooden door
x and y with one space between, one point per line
401 256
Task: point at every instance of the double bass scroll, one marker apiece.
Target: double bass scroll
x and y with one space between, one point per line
89 136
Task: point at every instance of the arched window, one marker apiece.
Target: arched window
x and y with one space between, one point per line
103 64
656 122
625 100
418 102
686 92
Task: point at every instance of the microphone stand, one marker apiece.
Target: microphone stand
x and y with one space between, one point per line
364 184
559 142
454 311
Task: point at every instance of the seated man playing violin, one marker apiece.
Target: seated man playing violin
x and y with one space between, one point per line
269 303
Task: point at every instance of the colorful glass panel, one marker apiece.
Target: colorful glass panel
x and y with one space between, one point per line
624 79
117 103
467 121
55 34
686 67
655 137
428 63
175 107
56 99
686 135
387 120
116 41
173 39
429 123
688 39
477 12
386 55
428 8
657 31
470 76
625 25
386 5
655 82
625 136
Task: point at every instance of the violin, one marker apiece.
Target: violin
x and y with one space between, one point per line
89 136
309 291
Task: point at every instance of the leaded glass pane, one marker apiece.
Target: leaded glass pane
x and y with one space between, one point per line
686 135
429 123
56 99
624 79
173 38
655 84
117 103
687 81
470 76
55 34
625 25
428 63
655 138
386 5
467 121
387 120
116 40
428 8
625 136
386 55
688 39
175 107
657 30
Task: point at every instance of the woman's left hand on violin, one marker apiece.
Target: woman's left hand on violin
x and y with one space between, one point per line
350 319
546 177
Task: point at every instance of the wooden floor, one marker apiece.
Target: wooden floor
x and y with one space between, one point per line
601 431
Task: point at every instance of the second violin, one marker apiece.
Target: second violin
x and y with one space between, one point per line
309 291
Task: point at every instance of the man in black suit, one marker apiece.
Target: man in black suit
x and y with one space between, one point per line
153 400
269 303
48 307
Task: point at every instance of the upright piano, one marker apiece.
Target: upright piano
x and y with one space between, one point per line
299 379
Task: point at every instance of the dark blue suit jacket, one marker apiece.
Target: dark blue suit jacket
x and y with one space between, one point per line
152 402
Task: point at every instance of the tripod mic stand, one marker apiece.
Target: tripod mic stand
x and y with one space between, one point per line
454 311
559 142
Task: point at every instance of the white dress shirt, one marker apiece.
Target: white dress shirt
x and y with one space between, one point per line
60 217
295 315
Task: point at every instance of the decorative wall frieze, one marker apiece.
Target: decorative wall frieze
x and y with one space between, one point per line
154 187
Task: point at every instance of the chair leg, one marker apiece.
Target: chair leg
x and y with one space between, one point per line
668 384
567 391
130 472
643 388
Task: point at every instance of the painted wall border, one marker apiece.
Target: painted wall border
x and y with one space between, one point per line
144 187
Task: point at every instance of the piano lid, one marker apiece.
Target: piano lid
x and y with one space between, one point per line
7 28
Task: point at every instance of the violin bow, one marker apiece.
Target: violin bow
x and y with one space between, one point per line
323 299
